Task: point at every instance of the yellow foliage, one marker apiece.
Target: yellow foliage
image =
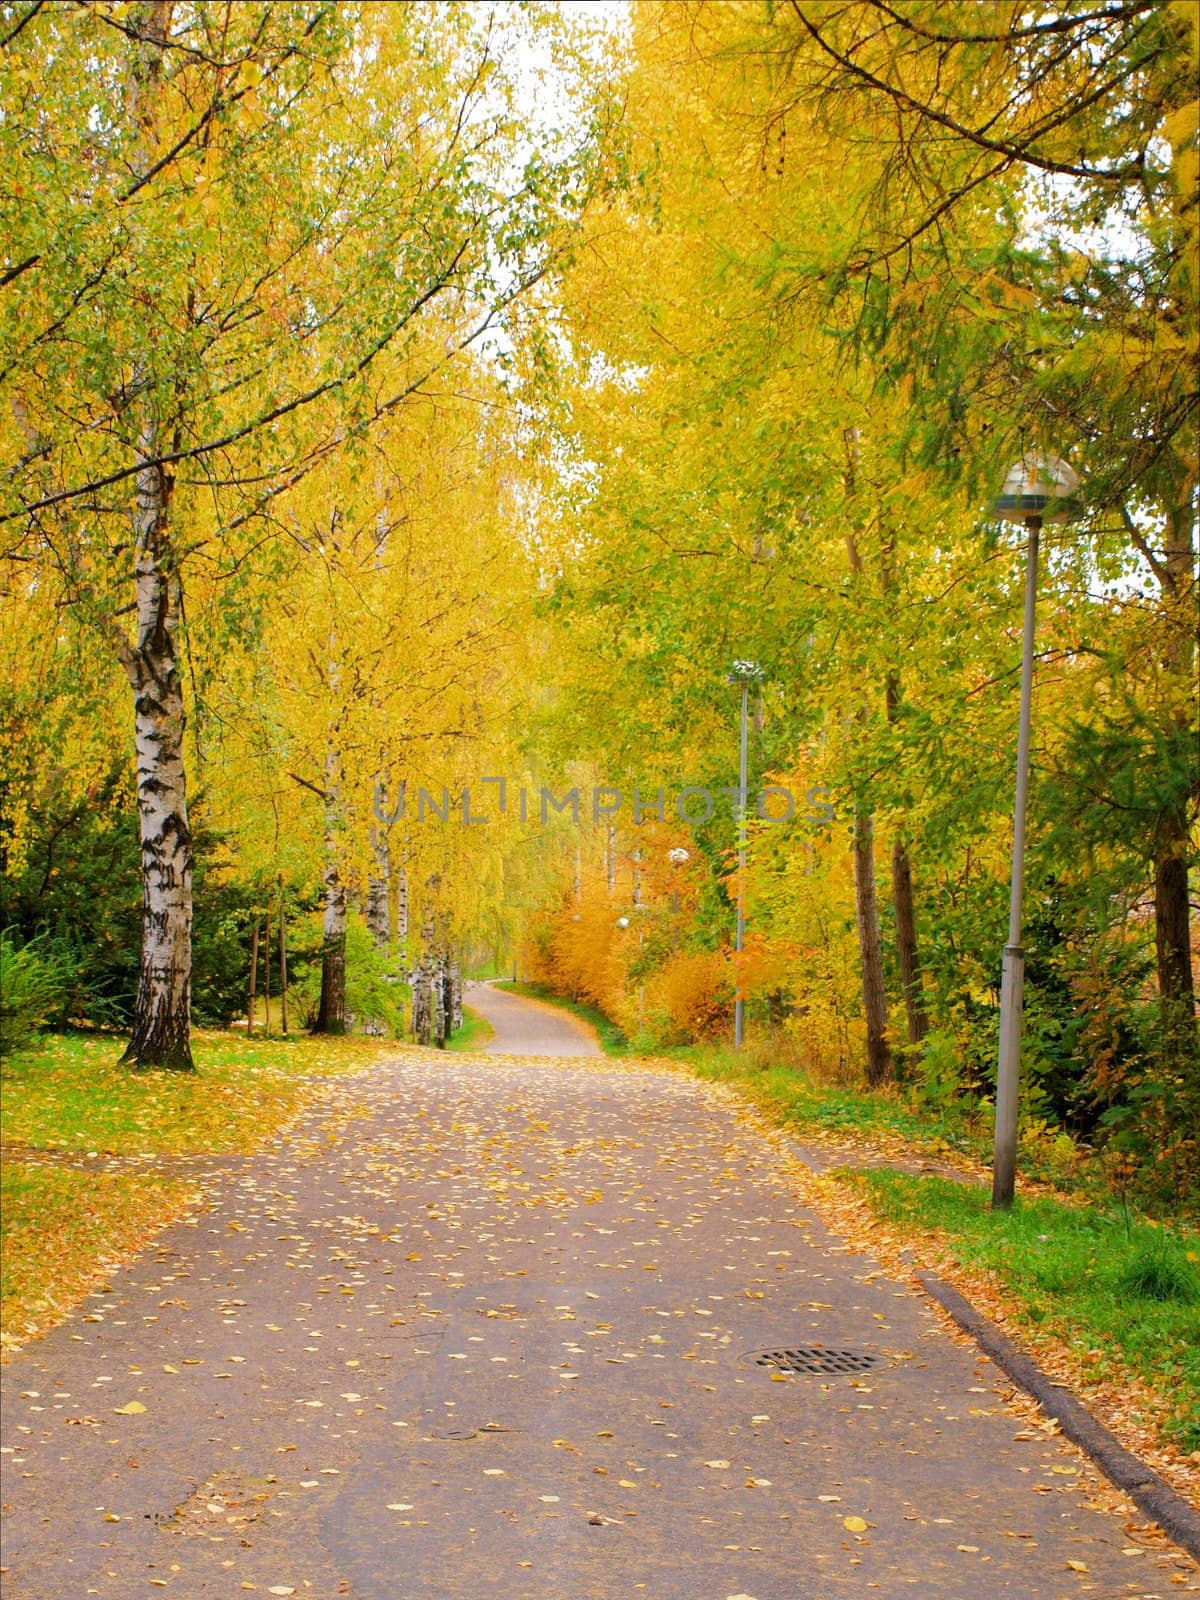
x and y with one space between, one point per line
695 992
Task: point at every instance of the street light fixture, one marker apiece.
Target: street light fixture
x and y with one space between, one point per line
744 673
1037 489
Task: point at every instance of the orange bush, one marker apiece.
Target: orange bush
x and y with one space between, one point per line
693 996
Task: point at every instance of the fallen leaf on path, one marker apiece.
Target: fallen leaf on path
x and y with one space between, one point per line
133 1408
854 1524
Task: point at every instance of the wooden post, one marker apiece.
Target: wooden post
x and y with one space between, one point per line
267 967
283 1022
253 979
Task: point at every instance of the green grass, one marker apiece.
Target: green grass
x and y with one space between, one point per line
1073 1271
69 1095
475 1031
612 1041
793 1100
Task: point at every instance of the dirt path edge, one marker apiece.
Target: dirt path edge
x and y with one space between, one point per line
1141 1483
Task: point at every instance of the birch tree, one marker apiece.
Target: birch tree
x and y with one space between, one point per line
219 217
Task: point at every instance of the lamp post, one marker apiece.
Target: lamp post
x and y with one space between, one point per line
743 673
678 857
1037 489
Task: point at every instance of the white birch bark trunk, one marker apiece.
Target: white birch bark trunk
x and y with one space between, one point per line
377 911
456 997
331 1013
424 987
162 1011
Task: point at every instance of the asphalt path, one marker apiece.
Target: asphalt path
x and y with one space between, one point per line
525 1027
487 1328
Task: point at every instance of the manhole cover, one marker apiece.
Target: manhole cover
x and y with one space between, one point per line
814 1358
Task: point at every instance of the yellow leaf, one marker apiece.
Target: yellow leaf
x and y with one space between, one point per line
854 1524
1077 1566
130 1410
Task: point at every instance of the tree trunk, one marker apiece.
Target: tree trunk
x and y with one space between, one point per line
401 906
456 997
879 1054
907 949
267 968
253 979
425 986
377 911
1172 941
283 1017
906 943
866 906
422 1001
1172 844
331 1015
162 1013
438 1007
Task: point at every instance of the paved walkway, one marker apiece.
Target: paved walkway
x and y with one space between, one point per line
483 1329
526 1027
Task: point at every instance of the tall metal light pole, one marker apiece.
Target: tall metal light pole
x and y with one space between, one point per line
743 673
1037 489
678 857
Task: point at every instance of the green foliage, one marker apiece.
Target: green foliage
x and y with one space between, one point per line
78 893
375 991
36 982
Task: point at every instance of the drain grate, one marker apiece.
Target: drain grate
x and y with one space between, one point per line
815 1358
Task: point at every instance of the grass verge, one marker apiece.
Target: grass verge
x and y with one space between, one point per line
1119 1297
475 1032
71 1094
63 1226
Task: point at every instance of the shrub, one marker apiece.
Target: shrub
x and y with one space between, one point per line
36 982
694 996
